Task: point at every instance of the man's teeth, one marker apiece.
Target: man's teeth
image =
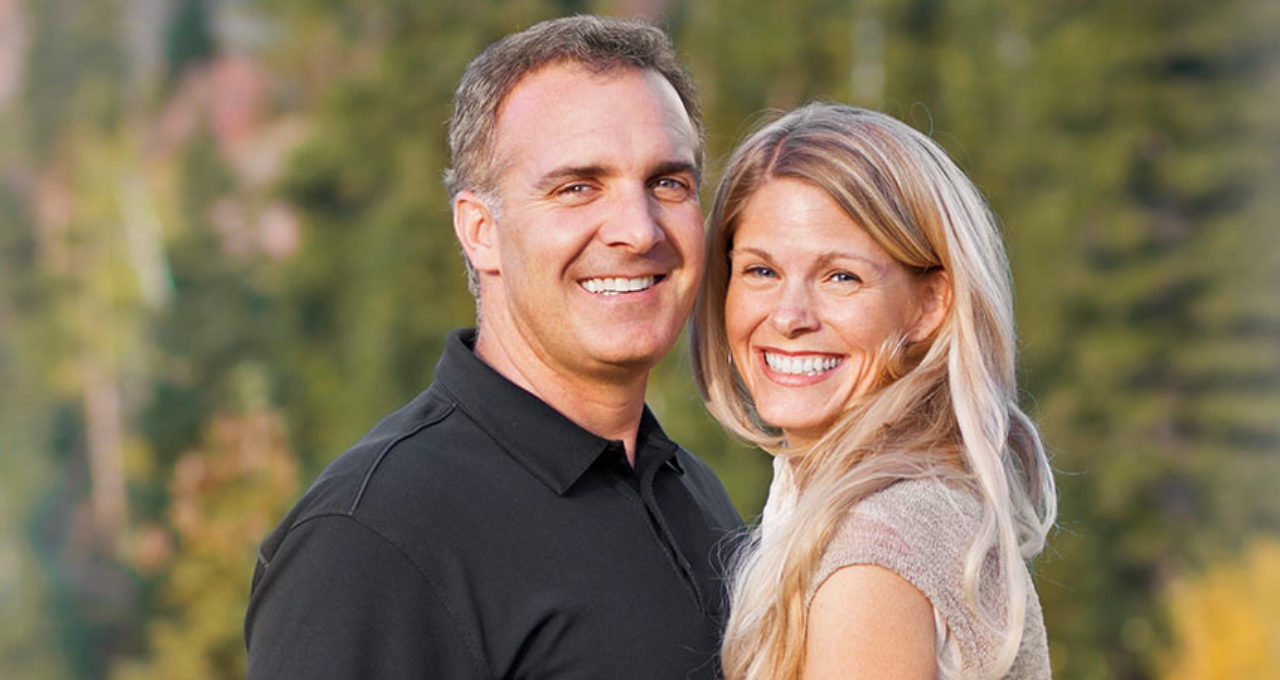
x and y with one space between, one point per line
617 285
781 363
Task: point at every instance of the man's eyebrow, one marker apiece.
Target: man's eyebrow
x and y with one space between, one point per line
550 179
675 168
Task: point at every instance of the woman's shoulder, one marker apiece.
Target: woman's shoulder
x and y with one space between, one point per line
922 530
919 529
913 524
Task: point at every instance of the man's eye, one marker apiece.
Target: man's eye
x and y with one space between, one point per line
671 188
575 192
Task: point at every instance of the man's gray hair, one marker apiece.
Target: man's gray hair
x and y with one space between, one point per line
597 44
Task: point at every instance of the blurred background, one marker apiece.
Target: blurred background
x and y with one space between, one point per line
225 252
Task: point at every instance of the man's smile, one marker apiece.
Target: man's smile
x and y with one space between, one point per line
617 285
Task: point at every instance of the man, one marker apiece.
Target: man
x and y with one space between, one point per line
526 517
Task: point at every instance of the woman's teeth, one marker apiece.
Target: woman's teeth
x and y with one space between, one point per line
797 365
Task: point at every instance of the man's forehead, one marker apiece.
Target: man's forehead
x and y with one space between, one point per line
545 88
568 69
567 114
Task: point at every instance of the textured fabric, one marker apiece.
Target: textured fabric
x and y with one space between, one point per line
782 495
478 533
921 530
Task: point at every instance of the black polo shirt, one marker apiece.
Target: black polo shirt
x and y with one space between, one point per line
478 533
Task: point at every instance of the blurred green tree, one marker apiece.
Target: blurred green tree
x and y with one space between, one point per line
226 495
1130 150
1148 300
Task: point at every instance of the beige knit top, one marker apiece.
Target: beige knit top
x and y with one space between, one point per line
920 530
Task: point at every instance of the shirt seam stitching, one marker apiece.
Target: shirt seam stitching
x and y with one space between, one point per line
368 476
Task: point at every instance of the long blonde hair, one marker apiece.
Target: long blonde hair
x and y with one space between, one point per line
943 407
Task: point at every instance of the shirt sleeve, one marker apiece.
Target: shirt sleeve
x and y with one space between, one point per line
338 600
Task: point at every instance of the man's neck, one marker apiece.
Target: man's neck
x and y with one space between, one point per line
607 405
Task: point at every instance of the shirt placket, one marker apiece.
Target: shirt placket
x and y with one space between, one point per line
638 486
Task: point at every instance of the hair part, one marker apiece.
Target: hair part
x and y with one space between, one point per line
944 407
598 44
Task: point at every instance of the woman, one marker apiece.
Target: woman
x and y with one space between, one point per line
856 321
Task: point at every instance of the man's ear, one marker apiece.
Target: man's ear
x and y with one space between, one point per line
935 302
477 231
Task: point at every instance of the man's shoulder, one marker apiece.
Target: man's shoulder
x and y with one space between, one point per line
418 465
351 470
406 439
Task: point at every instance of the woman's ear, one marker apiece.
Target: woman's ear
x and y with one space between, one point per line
935 302
477 231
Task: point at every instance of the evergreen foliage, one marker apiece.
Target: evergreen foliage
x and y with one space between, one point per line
206 307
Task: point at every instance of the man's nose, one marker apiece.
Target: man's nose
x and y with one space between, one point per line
633 222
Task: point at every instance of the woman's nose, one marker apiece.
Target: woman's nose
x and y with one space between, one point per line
795 312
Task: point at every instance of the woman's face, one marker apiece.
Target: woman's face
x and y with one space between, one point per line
811 299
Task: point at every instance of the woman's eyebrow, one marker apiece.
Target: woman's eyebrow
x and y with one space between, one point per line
825 258
833 255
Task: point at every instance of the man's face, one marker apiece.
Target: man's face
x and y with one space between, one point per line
598 235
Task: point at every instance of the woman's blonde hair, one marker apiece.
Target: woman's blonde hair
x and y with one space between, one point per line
943 407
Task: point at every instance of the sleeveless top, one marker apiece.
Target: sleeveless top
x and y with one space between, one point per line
920 529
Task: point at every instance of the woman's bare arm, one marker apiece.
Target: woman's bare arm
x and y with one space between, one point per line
868 622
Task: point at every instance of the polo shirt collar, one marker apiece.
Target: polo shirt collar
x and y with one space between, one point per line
551 447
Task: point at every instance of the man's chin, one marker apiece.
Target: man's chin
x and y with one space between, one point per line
639 354
630 361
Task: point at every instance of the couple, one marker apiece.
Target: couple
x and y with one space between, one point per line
527 517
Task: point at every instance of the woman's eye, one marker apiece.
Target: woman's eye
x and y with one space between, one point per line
845 277
756 270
